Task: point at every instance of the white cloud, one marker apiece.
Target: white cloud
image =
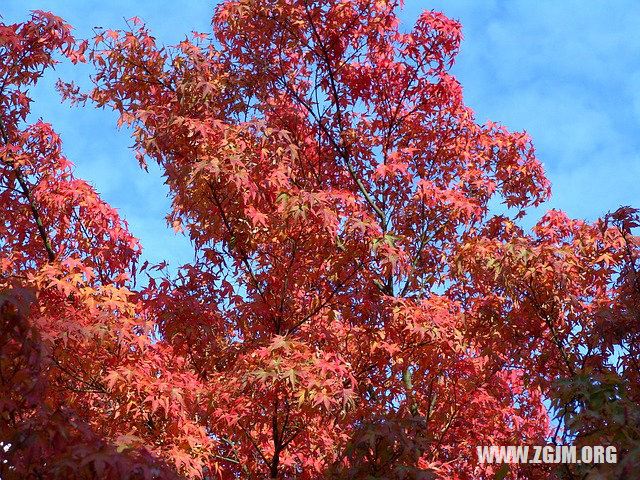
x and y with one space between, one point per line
567 73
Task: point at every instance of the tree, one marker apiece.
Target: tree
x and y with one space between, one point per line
69 324
354 309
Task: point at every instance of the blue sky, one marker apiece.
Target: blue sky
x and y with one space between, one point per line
567 72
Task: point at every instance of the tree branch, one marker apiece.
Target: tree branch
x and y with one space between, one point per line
27 194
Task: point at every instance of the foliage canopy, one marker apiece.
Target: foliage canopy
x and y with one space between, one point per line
354 310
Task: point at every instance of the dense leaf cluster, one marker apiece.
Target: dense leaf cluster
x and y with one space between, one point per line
354 309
